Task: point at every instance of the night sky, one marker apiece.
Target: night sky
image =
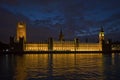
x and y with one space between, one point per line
45 18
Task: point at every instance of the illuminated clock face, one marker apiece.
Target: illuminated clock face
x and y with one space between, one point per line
101 34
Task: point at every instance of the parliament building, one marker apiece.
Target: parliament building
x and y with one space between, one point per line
20 42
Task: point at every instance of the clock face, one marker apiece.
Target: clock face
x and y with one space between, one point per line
101 34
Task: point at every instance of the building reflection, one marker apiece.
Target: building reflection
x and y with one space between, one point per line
60 67
50 66
111 66
31 65
20 70
57 66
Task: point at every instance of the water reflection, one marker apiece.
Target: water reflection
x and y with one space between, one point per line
60 67
111 66
7 65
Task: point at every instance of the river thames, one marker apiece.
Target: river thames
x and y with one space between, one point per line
60 67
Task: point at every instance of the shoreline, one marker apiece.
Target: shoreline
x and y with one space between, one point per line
60 52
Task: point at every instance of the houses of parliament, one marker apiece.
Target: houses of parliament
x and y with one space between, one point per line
20 42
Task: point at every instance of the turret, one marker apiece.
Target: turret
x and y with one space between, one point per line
61 36
76 44
50 44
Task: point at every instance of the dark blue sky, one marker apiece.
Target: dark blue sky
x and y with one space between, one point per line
45 18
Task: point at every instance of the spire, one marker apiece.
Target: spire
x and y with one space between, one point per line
101 29
61 32
61 35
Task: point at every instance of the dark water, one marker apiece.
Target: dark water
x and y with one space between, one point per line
60 67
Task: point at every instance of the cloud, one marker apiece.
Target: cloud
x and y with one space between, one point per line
76 17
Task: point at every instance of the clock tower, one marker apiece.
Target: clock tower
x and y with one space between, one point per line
101 35
21 31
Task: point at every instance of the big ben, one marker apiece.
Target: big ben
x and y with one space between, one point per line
101 35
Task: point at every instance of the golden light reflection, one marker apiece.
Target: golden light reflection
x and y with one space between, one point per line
30 63
45 65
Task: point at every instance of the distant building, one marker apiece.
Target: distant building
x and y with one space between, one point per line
21 44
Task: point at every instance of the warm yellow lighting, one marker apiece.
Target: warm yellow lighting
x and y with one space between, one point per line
21 31
20 26
63 47
60 45
36 47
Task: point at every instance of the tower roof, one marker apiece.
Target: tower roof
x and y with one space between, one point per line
61 35
101 30
61 32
